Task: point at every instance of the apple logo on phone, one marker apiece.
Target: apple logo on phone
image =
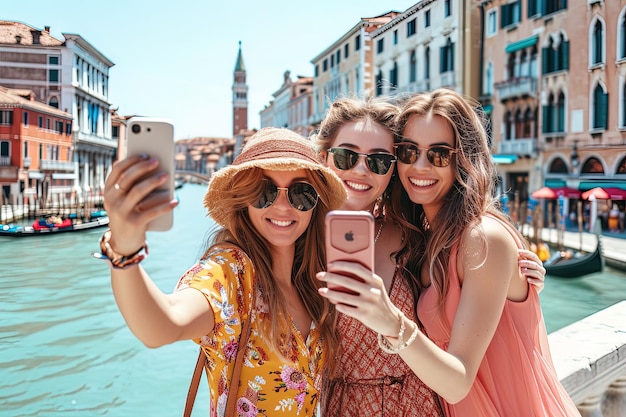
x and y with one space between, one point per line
349 236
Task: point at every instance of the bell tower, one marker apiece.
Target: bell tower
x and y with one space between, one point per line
240 96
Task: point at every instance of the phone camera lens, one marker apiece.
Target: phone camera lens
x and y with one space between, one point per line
136 128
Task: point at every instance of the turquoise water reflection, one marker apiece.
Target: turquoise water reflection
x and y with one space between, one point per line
66 350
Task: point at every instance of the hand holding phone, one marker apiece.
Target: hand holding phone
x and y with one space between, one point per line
349 237
155 137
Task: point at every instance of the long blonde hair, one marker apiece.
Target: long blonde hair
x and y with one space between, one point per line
472 195
309 259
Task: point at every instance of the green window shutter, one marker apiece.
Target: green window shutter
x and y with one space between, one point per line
604 111
451 57
544 61
565 55
442 57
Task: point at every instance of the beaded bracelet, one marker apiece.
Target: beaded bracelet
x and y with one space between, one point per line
386 346
116 260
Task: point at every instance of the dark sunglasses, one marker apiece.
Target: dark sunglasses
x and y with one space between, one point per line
438 155
378 163
301 195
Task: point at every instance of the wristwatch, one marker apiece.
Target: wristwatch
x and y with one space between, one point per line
117 260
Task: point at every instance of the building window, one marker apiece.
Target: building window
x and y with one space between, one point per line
25 149
54 102
25 118
395 37
380 46
53 76
411 27
413 67
53 60
492 22
338 56
40 151
447 9
446 55
40 122
47 123
560 113
6 117
552 6
332 61
427 63
533 8
623 105
600 108
555 57
5 149
379 83
325 65
357 43
393 76
597 43
510 14
68 128
346 50
317 70
427 19
115 132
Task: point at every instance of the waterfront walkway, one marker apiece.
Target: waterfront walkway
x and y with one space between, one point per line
613 247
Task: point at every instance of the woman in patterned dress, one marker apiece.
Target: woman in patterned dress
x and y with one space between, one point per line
356 140
270 204
480 341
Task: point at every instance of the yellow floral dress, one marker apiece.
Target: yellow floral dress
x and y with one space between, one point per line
268 385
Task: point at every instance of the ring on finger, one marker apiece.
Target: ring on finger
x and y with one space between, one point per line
118 187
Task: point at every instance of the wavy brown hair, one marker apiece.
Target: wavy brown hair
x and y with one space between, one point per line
471 197
347 109
309 259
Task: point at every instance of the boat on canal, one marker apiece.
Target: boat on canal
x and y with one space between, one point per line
46 226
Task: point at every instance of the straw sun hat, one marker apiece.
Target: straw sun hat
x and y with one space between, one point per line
273 149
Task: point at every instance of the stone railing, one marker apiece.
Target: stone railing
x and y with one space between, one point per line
590 359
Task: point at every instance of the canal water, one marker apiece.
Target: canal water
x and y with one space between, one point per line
65 349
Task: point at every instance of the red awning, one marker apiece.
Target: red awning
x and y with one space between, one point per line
608 193
554 193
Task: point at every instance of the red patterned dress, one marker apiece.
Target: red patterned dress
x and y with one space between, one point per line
370 382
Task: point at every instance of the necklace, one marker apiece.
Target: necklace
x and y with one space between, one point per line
380 229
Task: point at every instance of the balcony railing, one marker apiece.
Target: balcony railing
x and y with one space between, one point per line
517 87
27 162
5 161
525 147
53 165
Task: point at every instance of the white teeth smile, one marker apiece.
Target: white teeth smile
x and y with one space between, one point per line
357 186
281 223
422 183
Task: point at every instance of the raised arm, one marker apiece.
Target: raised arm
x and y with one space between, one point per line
154 317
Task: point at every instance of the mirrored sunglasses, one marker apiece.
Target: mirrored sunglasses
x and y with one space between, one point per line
301 195
378 163
438 155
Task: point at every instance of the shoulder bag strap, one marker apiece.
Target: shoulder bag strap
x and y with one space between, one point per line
234 381
195 381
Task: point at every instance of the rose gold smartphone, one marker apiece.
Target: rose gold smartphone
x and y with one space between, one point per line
155 137
350 237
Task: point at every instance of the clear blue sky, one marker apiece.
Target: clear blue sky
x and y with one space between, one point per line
176 59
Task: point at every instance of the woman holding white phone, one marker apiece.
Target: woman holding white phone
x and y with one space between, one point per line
356 140
259 274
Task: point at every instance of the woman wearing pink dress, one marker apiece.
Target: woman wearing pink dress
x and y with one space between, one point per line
489 354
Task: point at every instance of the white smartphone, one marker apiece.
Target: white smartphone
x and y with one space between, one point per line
350 237
155 137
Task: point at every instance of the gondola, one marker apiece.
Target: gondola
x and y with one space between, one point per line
574 266
25 231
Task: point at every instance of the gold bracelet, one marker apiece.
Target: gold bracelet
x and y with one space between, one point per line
386 346
117 260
